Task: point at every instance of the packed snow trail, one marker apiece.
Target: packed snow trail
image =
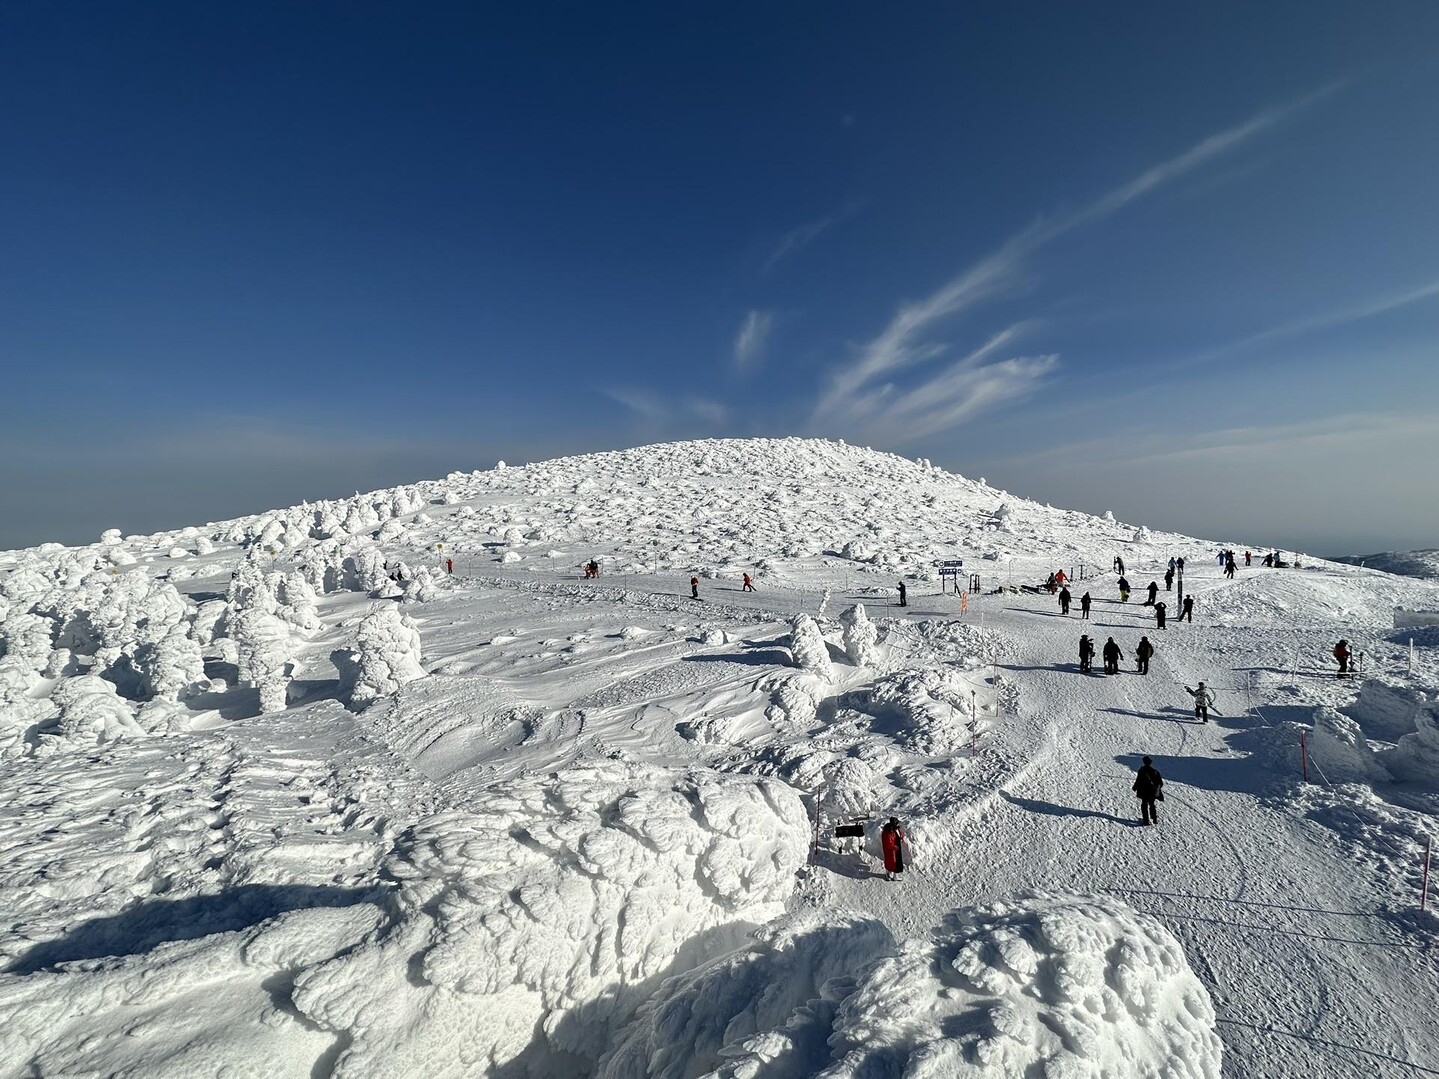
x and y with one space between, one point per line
1271 911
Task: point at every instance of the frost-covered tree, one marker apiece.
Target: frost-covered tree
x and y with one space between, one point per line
89 713
420 587
366 571
297 602
808 646
171 668
860 636
263 650
386 655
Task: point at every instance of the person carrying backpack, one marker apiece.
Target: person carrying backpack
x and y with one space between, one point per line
1123 589
1086 654
1112 656
1142 651
1149 789
1342 654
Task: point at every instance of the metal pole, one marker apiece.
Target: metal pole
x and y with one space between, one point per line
1424 888
1304 756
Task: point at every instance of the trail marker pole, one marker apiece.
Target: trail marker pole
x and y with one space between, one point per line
1424 887
1304 757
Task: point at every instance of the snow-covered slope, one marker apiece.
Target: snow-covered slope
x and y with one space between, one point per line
266 809
1405 563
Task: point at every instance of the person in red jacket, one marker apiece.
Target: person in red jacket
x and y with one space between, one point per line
1341 653
891 842
694 588
748 584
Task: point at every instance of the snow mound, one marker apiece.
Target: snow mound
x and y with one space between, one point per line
771 1004
1053 985
1416 757
926 711
530 927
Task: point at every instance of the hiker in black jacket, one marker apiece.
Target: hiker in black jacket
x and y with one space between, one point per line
1086 654
1148 788
1142 652
1159 613
1064 598
1084 605
1187 613
1112 656
1153 593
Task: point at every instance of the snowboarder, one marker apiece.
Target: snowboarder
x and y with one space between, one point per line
694 588
1142 652
1159 613
1064 598
1203 701
1153 592
1148 788
1169 578
1119 565
1086 654
903 595
891 843
1341 653
1123 589
1112 656
748 584
1186 613
1084 606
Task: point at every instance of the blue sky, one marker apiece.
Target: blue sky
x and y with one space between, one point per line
1177 262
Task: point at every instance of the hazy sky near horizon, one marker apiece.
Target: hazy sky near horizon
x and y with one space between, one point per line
1174 262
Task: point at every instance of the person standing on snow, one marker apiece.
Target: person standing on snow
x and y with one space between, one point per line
1153 593
1086 654
1084 606
1112 656
903 595
449 565
1229 566
1148 788
1064 598
1247 557
1342 653
1142 652
1186 613
1159 613
1203 701
748 584
1119 565
694 588
1169 579
891 844
1123 589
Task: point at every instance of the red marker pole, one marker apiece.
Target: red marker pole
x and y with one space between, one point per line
1304 757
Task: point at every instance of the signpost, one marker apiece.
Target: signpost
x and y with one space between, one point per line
950 567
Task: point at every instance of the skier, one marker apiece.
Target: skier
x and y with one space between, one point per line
1159 613
1112 656
1123 589
1187 613
903 595
1153 592
1084 606
1064 600
1203 700
1142 652
891 842
1341 653
1119 565
748 584
1169 578
1086 654
694 588
1148 788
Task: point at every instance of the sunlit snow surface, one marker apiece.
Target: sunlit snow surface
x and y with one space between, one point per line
266 811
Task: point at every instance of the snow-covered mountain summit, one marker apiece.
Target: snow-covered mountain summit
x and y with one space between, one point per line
386 785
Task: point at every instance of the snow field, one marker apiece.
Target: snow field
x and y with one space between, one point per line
562 826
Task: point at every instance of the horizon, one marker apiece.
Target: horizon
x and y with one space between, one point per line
263 256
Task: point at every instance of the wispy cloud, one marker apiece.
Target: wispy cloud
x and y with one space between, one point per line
753 337
663 411
797 239
859 395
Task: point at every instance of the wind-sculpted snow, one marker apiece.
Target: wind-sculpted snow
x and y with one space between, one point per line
926 711
386 655
531 926
771 1002
1063 986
